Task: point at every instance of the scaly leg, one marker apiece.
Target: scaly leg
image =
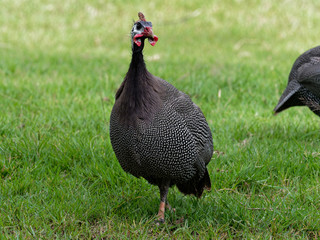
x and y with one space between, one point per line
164 188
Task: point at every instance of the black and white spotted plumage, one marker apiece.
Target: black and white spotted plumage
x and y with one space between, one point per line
303 87
158 133
176 144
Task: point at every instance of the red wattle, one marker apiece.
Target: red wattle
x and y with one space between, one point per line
138 43
154 40
135 40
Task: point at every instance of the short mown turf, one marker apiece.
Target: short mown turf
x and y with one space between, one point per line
60 66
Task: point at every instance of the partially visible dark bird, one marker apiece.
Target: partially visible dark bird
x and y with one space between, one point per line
156 131
303 88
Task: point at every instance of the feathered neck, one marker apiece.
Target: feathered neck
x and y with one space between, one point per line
139 95
137 69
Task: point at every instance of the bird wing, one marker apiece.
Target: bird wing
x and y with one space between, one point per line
197 125
194 119
309 77
199 128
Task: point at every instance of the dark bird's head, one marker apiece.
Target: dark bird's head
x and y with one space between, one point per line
141 30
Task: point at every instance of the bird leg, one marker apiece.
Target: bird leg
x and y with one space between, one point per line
164 188
161 212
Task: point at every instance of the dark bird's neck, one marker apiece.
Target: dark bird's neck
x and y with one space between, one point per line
139 94
137 71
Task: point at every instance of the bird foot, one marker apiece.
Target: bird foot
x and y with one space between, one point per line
161 213
159 221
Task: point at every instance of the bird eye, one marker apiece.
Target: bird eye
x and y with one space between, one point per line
139 26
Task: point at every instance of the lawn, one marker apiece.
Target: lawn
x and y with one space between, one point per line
61 64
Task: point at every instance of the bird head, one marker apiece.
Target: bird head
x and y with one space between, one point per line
141 30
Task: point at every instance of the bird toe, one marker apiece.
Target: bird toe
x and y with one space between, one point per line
159 221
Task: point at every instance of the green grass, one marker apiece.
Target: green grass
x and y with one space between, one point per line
61 64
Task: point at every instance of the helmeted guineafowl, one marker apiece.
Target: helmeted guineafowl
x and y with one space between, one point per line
303 88
156 131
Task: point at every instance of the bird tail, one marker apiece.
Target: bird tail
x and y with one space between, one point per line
195 186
